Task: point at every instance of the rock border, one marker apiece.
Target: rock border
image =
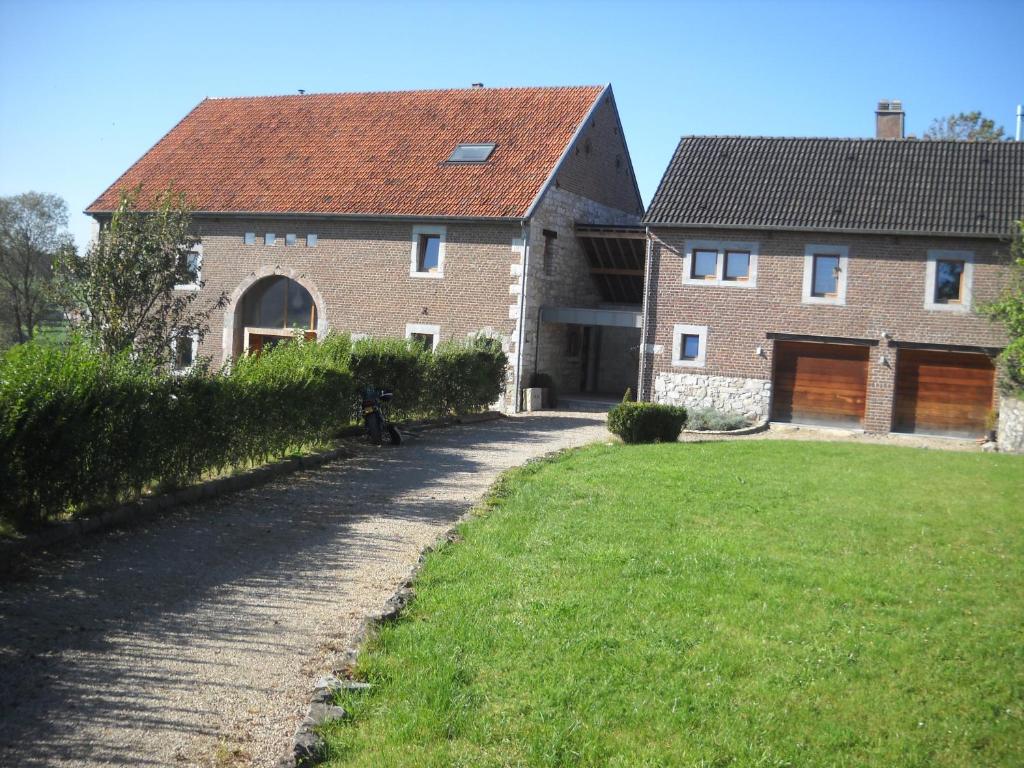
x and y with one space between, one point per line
14 551
308 747
761 426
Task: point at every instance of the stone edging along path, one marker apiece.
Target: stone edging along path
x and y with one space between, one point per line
308 747
14 551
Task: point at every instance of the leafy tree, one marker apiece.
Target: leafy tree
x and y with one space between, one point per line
122 292
966 126
33 233
1010 311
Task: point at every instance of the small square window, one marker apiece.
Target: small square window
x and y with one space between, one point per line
689 347
290 239
825 277
705 265
737 265
429 253
310 240
250 238
949 281
269 239
471 153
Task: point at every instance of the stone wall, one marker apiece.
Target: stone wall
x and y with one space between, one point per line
750 398
1011 425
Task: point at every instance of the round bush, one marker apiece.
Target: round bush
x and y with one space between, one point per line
646 422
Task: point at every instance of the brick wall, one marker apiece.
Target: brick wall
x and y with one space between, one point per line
885 291
358 271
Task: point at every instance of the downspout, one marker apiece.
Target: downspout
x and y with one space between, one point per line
522 316
643 315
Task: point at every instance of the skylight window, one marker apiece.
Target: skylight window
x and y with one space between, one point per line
471 153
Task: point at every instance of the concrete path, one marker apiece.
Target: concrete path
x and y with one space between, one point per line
195 640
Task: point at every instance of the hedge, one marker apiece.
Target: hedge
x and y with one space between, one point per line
646 422
79 429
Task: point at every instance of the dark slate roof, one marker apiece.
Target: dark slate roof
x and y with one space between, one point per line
851 185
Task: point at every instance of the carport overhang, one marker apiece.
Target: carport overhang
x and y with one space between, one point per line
609 318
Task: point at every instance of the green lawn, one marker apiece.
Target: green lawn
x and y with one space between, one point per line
753 603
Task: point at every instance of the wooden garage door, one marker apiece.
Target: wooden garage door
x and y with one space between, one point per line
820 383
942 393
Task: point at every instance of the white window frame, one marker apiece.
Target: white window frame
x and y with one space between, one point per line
720 247
249 238
194 286
291 239
269 239
312 239
818 249
701 332
417 232
194 339
433 330
966 286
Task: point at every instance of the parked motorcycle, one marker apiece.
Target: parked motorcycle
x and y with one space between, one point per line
377 416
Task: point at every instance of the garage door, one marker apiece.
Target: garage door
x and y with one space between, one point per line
942 393
820 383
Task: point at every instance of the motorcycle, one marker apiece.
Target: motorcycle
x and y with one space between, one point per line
377 417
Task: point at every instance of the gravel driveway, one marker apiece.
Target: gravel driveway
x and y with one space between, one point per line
195 639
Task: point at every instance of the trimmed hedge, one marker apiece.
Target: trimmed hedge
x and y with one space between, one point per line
646 422
79 429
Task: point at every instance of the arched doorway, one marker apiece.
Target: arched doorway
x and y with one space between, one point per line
273 309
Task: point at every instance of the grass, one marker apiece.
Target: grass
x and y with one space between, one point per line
761 603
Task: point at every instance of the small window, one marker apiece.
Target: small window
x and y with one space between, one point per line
310 241
549 248
737 265
471 153
825 279
705 265
428 253
250 238
949 281
184 352
425 335
193 268
269 239
290 239
425 340
689 347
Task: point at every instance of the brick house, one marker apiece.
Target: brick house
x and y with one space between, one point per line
831 281
432 215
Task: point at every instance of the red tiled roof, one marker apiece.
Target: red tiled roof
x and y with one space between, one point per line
377 154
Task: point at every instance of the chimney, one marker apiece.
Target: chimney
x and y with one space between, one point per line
889 120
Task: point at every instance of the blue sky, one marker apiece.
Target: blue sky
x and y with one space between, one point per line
86 87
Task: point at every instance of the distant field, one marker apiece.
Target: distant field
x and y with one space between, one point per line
744 604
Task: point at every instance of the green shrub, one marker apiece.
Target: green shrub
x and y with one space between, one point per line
465 377
715 421
395 364
646 422
79 429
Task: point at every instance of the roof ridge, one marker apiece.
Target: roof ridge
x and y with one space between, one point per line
470 89
866 139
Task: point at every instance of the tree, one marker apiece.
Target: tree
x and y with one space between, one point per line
966 126
1009 309
122 293
33 233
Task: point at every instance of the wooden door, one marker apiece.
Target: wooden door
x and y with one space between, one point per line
942 393
824 384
